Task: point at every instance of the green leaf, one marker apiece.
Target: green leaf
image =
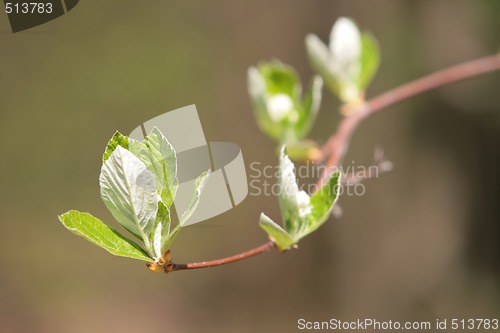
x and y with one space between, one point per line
350 61
276 233
280 79
275 90
311 104
322 203
160 236
370 59
118 139
258 95
319 56
198 187
95 231
159 157
128 190
288 189
301 213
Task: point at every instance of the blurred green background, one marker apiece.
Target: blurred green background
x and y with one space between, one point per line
422 243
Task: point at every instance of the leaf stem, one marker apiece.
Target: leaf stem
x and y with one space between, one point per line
337 145
237 257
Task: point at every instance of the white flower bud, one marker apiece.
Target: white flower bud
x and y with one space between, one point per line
256 83
345 57
303 203
345 42
280 106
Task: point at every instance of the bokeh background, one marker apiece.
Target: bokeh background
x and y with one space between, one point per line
422 244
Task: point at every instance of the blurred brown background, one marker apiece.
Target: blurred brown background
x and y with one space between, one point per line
421 244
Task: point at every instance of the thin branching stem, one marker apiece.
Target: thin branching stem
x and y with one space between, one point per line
338 143
241 256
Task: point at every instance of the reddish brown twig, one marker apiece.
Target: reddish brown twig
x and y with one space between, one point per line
204 264
337 145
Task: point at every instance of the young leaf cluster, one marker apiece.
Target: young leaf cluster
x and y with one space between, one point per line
301 213
347 66
138 184
348 63
280 109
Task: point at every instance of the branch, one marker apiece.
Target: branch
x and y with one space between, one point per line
242 256
338 143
